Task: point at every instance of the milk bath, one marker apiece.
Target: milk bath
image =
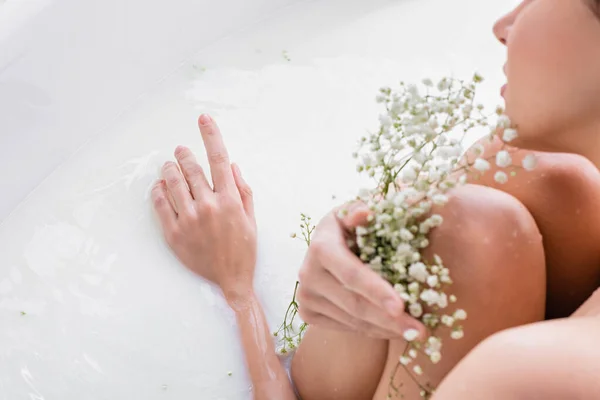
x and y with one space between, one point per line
92 303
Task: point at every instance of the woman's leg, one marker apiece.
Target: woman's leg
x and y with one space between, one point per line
552 360
339 365
493 249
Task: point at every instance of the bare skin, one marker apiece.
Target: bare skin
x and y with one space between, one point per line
551 360
212 231
560 182
475 253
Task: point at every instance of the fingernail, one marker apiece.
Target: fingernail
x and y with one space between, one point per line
205 119
180 149
393 307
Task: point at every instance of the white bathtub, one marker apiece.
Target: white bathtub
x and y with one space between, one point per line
94 96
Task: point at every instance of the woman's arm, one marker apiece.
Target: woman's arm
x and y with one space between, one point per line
269 379
212 231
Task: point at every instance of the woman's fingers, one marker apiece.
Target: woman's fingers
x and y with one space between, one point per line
358 215
164 210
330 250
177 188
218 157
192 172
355 287
333 317
244 189
361 309
365 283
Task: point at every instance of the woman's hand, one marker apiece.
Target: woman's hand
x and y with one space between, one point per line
338 291
211 230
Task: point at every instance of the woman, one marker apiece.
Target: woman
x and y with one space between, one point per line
504 275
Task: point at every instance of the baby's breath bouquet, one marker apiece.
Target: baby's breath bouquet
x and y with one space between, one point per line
416 157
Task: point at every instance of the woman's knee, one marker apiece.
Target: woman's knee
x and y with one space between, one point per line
494 252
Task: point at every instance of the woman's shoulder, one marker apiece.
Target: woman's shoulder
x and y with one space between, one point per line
562 188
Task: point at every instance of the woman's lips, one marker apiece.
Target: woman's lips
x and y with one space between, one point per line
502 90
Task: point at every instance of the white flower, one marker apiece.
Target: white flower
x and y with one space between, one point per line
439 199
457 334
408 175
460 314
427 82
416 310
413 287
443 84
509 135
435 357
452 298
410 335
418 271
436 220
529 162
405 234
386 121
443 300
413 353
405 360
397 107
434 344
481 165
503 159
447 320
478 149
446 152
404 249
430 296
418 370
501 177
399 288
432 280
503 122
434 175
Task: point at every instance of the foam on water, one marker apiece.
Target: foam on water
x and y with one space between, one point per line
92 303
